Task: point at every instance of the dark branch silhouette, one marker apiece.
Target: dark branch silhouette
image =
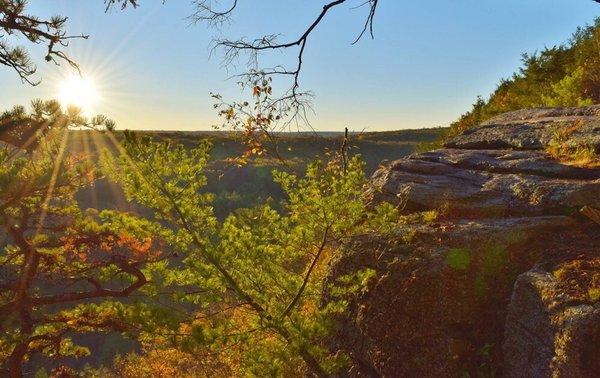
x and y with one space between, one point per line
121 3
208 11
15 22
51 32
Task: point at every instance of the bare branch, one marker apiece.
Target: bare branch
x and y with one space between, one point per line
122 3
293 100
206 12
369 21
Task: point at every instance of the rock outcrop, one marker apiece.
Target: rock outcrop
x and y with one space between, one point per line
478 289
551 331
502 166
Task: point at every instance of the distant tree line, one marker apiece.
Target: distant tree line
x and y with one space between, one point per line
565 75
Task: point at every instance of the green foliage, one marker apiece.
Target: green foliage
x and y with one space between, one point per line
568 91
425 146
24 130
565 75
257 276
56 259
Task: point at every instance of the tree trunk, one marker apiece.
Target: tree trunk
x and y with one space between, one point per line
14 362
313 365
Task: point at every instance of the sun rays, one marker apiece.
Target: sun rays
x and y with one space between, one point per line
88 144
97 88
65 143
103 85
78 91
64 134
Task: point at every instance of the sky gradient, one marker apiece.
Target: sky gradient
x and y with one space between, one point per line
428 62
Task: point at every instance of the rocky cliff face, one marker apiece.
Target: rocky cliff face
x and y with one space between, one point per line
502 275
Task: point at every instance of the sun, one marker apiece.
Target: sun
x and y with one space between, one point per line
78 91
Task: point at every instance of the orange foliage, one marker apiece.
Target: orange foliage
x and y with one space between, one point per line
86 248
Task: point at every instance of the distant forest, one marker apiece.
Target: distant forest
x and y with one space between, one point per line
245 186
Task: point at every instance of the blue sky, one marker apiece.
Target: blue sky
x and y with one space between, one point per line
428 62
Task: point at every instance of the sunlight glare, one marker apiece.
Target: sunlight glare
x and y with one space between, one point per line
78 91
